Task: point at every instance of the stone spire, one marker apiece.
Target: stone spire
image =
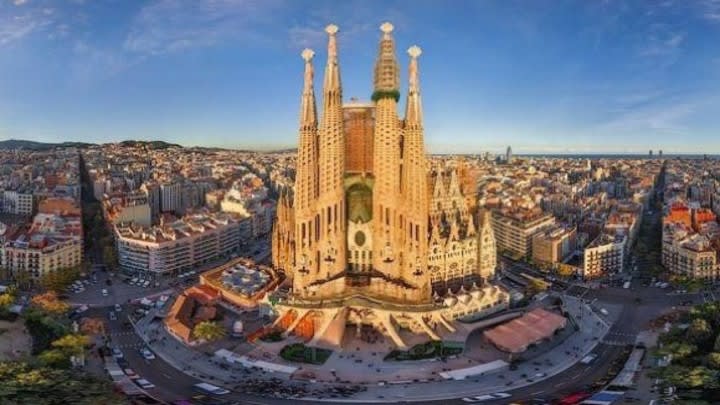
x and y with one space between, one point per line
413 111
387 163
308 110
332 69
331 222
387 71
307 176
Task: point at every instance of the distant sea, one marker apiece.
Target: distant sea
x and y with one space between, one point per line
618 156
593 156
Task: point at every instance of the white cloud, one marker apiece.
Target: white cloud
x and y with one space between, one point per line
14 27
19 2
170 25
710 10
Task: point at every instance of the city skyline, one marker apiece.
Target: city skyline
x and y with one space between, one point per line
603 77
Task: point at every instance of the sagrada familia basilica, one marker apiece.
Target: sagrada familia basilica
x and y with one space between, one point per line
372 235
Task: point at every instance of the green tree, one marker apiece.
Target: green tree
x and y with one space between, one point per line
716 346
690 377
43 327
54 358
699 331
72 344
678 350
209 331
22 383
59 279
713 360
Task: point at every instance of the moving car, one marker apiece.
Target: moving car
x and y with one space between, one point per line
210 389
143 383
117 353
104 292
487 397
589 358
147 354
131 373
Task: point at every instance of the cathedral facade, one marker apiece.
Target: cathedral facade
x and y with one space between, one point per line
365 230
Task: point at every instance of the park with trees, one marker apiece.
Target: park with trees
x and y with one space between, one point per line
692 347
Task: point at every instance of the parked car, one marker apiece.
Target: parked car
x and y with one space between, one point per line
487 397
118 308
104 292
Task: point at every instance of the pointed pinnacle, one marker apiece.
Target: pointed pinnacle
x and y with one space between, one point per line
332 29
307 54
414 51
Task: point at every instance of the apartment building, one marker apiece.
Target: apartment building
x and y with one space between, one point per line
554 244
604 255
514 232
177 246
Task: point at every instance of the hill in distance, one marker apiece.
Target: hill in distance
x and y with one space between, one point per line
39 146
150 144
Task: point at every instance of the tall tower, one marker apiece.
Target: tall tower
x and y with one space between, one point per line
487 250
387 163
508 155
331 222
306 180
414 225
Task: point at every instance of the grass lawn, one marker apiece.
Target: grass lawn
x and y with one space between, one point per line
299 353
424 351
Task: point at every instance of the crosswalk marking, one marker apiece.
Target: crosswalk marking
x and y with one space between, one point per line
136 345
122 333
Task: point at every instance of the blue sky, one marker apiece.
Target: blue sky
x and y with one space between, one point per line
554 76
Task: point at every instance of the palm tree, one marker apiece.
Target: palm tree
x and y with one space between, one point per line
209 331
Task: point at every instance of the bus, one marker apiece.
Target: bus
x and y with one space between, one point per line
210 389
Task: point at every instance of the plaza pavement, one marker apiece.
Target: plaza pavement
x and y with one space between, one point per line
409 381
